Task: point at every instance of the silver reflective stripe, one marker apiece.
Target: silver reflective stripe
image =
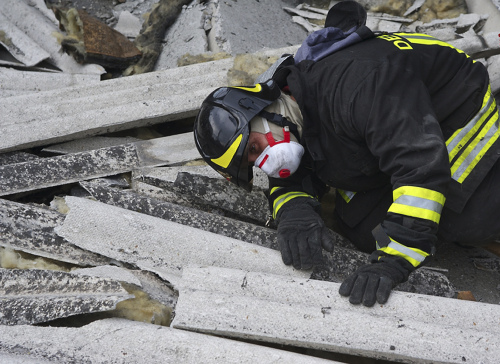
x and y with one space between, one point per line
419 202
458 138
406 251
475 152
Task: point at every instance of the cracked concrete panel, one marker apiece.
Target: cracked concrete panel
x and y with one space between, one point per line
35 295
185 36
124 341
311 314
249 26
19 45
15 82
160 246
64 169
183 215
30 229
112 105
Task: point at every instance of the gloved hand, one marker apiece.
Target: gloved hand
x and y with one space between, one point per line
302 233
374 281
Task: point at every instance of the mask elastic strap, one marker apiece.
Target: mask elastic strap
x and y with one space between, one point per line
269 134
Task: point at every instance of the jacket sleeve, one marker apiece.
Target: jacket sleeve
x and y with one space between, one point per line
302 184
392 112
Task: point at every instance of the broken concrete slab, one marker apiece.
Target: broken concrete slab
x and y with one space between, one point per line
161 17
19 45
478 46
486 7
183 215
234 28
35 295
86 144
125 341
64 169
111 272
494 71
160 246
39 28
30 229
186 36
417 328
16 82
337 266
112 105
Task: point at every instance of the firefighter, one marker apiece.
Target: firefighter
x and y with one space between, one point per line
402 125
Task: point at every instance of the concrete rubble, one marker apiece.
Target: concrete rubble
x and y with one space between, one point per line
111 226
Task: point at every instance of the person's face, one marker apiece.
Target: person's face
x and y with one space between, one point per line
257 142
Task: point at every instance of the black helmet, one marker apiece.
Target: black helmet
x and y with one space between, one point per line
221 128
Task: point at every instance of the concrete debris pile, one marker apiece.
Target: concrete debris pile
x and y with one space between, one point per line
112 227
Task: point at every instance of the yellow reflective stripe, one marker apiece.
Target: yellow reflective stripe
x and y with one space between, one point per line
280 201
456 142
227 157
418 202
346 195
477 148
274 189
425 39
413 255
256 88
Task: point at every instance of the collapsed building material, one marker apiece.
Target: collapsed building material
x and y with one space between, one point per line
29 296
183 215
149 40
160 246
308 313
234 29
338 265
82 145
89 40
478 46
30 229
15 82
19 45
132 342
55 171
112 105
36 26
221 194
186 36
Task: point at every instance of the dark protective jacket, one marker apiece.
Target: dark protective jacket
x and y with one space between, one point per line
401 111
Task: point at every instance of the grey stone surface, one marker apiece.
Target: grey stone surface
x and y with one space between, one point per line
30 229
19 45
75 112
64 169
486 7
410 328
16 82
494 72
110 272
160 246
186 35
86 144
486 45
251 26
183 215
29 296
122 341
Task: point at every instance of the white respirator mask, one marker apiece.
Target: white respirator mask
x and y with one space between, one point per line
279 159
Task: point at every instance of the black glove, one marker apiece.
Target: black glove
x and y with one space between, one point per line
302 233
374 282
